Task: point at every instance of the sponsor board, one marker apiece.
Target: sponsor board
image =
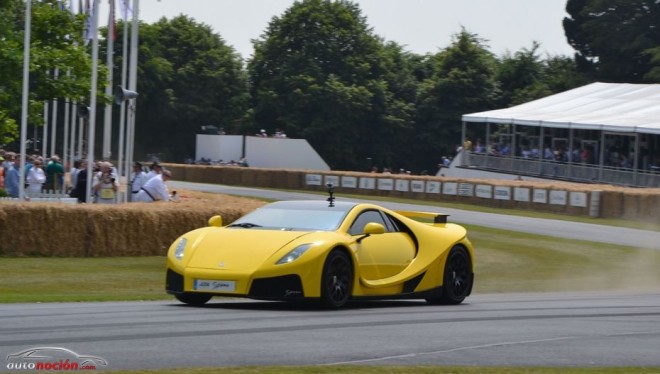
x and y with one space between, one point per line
349 182
502 193
313 179
484 191
386 184
521 194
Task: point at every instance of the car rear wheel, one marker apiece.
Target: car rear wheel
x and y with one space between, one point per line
193 298
337 280
457 282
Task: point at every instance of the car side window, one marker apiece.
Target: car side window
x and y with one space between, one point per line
391 224
366 217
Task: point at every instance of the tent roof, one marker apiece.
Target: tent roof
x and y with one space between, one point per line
616 107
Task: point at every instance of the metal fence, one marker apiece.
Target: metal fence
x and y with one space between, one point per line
563 170
45 196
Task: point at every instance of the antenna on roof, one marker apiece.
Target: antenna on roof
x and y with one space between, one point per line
331 198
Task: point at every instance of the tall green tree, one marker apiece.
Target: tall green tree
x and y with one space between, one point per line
319 73
56 43
615 40
521 77
463 82
189 78
561 74
524 76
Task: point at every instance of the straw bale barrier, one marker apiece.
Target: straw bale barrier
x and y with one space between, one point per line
90 230
615 201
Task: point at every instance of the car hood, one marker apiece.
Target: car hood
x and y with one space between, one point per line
238 249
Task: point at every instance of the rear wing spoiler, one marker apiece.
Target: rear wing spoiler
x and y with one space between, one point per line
438 218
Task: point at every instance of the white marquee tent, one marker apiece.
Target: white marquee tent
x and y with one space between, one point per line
612 107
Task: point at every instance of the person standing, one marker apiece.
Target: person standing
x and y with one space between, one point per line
54 174
155 189
138 179
467 145
73 174
2 174
79 190
12 179
36 178
105 185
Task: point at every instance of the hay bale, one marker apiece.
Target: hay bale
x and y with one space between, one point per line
89 230
611 204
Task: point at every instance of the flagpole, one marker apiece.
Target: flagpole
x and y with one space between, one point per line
132 85
72 146
92 99
81 131
44 143
122 113
107 124
26 92
53 128
65 147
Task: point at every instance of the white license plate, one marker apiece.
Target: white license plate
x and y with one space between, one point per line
215 285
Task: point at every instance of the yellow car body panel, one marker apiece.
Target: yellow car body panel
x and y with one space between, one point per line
286 255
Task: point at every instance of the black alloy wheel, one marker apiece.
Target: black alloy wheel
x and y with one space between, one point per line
337 280
457 278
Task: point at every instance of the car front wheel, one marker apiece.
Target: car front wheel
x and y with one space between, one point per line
337 280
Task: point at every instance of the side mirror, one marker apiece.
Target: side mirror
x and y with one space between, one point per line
215 221
373 228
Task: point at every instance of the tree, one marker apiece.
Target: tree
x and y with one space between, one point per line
56 43
561 74
189 78
525 77
319 73
521 77
463 82
615 40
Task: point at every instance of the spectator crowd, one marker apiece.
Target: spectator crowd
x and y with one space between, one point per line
47 177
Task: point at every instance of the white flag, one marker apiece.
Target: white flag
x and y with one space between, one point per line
88 22
126 10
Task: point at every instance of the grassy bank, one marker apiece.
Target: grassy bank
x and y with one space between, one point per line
507 261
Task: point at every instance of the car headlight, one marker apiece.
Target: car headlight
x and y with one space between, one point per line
294 254
180 247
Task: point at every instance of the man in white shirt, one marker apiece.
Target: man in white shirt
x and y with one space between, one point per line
155 169
138 179
155 189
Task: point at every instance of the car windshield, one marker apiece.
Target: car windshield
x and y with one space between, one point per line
298 216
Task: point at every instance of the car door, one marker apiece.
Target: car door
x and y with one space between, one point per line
381 255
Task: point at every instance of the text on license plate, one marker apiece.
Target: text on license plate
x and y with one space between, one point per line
215 285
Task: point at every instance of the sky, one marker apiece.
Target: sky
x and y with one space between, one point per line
421 26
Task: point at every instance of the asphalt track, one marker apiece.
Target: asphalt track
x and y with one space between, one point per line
541 329
585 330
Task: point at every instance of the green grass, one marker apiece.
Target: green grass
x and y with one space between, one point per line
506 261
57 279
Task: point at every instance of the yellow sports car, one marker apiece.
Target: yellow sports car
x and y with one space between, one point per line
328 251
